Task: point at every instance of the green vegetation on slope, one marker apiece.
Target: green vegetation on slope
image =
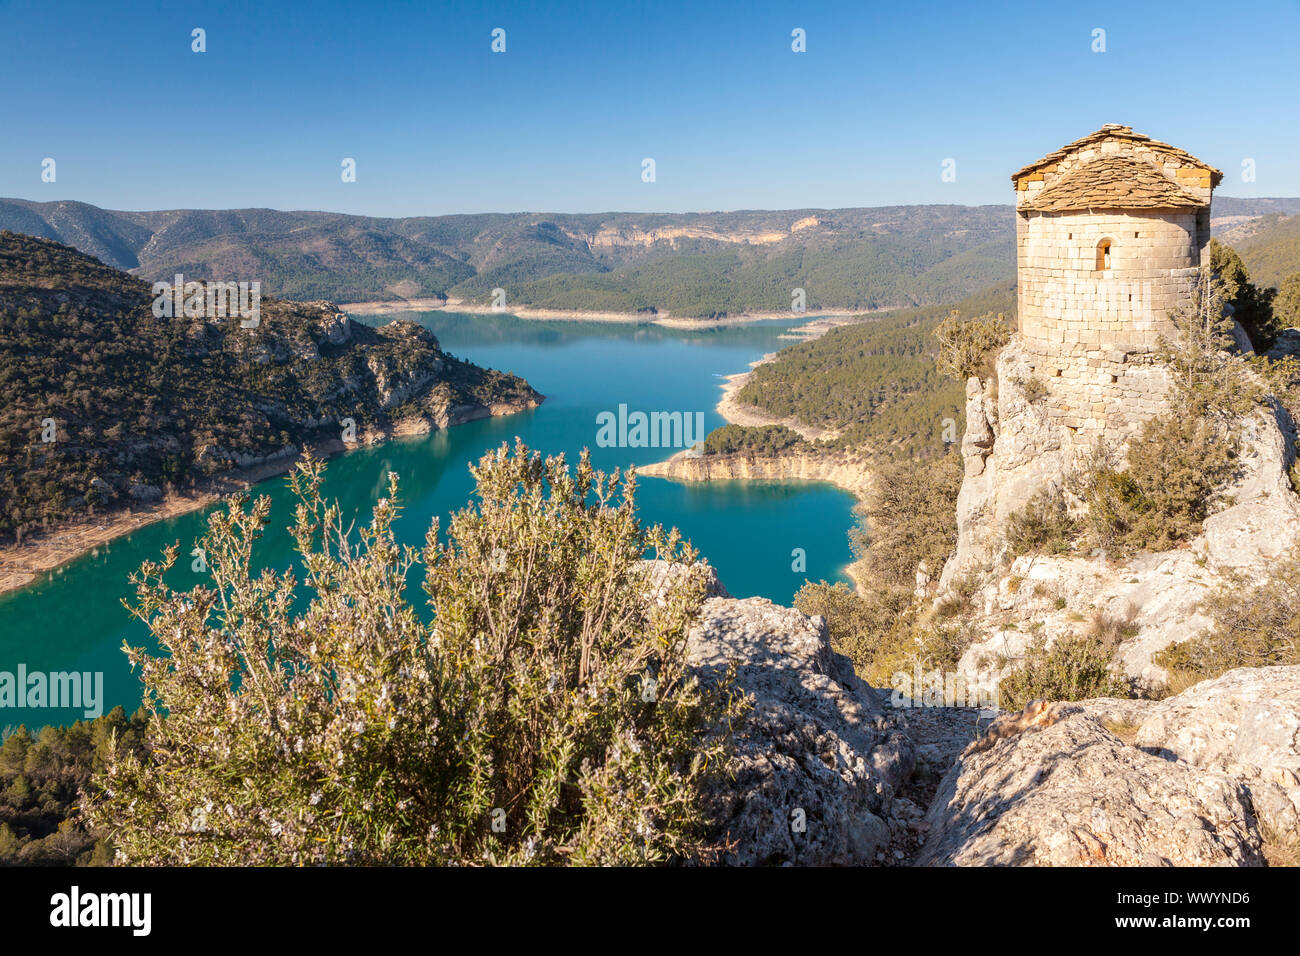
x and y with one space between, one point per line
1272 251
1252 306
766 440
911 522
855 273
1256 624
102 403
875 381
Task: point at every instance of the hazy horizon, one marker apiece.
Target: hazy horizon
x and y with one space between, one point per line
566 212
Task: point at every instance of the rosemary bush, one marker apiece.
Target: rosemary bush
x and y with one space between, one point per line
546 715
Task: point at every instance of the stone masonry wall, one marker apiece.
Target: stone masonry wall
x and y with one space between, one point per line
1069 306
1089 334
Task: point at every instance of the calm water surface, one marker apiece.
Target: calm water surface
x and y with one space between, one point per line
73 619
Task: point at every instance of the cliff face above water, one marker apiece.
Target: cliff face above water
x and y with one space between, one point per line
846 471
105 403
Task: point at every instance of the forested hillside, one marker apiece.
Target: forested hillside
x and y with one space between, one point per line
1271 250
43 774
103 403
875 382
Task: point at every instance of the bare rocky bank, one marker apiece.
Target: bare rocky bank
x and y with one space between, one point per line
539 314
21 564
842 469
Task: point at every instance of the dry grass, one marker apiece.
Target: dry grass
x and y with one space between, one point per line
1179 681
1112 630
1123 730
1280 848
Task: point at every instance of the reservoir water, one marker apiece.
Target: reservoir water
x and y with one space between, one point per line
72 619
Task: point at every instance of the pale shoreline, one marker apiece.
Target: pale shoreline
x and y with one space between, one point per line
21 565
738 413
664 319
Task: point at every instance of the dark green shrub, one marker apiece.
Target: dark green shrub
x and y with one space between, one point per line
42 779
859 624
967 347
1252 306
1176 473
1043 526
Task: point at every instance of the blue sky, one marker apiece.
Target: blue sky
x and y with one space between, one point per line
561 121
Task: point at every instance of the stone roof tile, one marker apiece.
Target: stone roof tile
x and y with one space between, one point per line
1117 131
1115 181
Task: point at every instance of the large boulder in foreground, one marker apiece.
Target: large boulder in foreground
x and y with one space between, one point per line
1208 777
1245 724
1072 793
816 765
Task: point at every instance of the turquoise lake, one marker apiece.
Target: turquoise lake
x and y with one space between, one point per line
72 619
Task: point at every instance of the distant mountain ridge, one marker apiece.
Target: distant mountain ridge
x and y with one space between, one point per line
686 264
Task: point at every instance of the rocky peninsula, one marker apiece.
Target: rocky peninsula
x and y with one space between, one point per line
117 416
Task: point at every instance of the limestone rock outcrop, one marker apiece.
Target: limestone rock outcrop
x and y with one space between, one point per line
1205 778
1074 794
1153 597
852 473
1029 429
1017 445
1263 520
1245 724
816 766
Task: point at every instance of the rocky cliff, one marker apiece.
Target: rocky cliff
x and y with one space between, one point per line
826 772
1015 446
817 765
